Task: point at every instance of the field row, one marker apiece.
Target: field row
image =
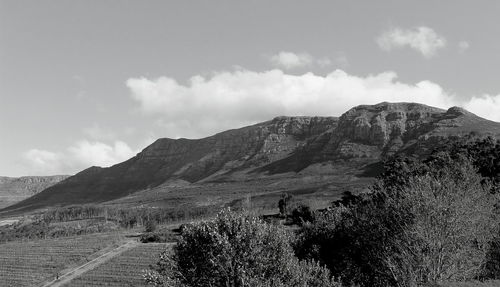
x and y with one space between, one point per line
33 262
125 269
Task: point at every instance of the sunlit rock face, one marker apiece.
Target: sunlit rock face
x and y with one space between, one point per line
370 131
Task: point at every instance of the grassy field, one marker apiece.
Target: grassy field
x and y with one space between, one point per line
31 263
125 269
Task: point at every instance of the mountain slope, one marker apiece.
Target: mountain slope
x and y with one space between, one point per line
15 189
186 159
361 136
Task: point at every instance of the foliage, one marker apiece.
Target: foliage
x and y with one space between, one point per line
158 236
484 154
235 250
491 268
284 203
424 222
125 217
302 214
38 229
85 219
453 221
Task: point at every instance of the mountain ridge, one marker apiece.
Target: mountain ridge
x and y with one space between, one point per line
364 134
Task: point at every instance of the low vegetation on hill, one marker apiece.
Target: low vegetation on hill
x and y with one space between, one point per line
87 219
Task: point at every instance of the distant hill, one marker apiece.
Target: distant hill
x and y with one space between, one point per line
285 149
15 189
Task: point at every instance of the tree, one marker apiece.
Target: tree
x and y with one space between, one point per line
236 250
430 222
283 203
453 223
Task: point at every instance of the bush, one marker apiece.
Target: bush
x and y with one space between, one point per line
235 250
161 237
302 214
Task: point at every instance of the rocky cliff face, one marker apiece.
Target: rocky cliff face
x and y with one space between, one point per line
364 134
14 189
29 184
380 130
369 133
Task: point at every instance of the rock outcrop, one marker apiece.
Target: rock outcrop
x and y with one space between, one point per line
14 189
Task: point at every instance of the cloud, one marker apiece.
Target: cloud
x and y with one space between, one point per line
231 99
486 106
77 157
44 162
289 60
463 46
98 153
421 39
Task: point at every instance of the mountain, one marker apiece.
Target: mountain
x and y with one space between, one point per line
15 189
319 154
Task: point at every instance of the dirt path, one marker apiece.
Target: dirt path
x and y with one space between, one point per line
77 271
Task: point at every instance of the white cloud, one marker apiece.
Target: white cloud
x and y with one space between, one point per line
44 162
77 157
422 39
463 46
289 60
487 106
98 153
231 99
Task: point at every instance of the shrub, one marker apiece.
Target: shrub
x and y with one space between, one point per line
161 237
235 250
302 214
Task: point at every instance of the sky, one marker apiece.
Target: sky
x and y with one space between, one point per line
86 83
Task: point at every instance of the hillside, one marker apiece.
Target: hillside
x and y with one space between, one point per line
287 153
15 189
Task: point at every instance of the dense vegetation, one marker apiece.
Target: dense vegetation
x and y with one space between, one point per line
425 222
236 250
85 219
